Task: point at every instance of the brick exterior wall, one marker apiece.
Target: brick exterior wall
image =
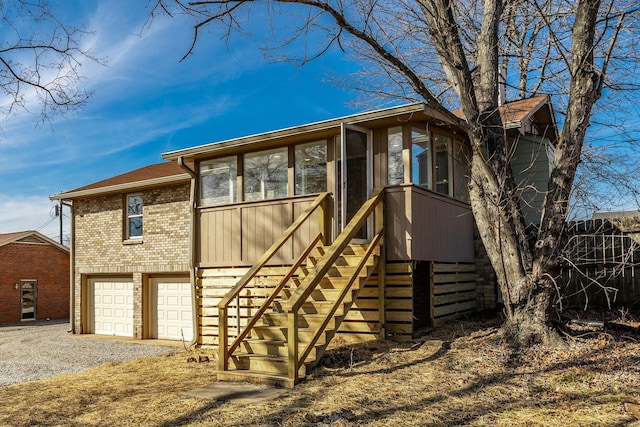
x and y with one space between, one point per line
100 247
46 264
486 285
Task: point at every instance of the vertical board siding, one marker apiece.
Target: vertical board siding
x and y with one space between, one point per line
423 225
442 228
397 223
454 291
237 235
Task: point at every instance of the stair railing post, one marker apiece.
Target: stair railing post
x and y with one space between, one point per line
292 342
238 325
382 268
223 340
324 220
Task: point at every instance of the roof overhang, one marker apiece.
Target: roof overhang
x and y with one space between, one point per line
318 129
120 188
541 114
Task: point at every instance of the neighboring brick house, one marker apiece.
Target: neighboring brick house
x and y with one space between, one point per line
130 246
34 278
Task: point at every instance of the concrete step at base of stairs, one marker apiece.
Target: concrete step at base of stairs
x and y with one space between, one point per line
254 377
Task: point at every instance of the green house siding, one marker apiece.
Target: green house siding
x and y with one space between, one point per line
531 163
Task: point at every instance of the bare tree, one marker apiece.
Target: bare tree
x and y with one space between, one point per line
40 59
449 53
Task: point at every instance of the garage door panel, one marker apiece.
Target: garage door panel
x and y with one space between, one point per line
112 306
171 308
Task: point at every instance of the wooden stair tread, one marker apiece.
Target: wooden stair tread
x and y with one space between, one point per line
263 357
269 357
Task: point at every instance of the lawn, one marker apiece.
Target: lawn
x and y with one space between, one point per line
458 375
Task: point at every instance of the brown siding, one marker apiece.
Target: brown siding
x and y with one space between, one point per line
423 225
237 235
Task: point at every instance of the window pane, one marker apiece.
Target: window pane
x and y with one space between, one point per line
134 205
443 164
265 174
461 159
218 181
395 168
311 167
421 157
135 226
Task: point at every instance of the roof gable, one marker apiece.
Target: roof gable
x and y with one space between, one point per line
32 237
530 115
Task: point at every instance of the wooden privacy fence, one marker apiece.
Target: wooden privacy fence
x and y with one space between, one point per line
600 266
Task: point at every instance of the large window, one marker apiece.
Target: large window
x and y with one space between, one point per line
432 161
421 158
265 174
395 167
444 168
311 168
134 216
218 179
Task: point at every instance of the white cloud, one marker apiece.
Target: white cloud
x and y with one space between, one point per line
22 213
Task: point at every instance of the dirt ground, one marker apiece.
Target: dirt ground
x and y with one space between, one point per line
458 375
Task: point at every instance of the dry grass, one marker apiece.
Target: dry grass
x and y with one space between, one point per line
455 376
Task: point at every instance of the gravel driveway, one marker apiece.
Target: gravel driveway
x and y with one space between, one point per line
32 351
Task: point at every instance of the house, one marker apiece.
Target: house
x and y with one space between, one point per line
34 278
359 225
130 255
533 134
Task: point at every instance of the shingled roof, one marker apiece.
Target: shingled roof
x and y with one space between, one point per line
147 176
524 113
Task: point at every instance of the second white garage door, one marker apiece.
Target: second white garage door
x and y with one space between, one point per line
171 309
112 306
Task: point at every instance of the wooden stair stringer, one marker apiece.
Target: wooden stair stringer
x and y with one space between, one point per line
263 357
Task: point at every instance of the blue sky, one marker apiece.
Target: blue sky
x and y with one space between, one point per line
146 102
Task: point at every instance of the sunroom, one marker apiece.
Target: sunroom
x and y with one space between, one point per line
372 207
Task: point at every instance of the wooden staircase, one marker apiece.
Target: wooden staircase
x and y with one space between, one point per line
294 326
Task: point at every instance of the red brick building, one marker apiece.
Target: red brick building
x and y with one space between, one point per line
34 278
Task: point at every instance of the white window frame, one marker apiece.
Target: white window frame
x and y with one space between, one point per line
129 216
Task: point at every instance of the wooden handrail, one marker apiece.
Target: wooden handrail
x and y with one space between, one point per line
269 253
223 336
276 291
341 296
309 284
300 295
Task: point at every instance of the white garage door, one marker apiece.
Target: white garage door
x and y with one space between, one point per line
171 306
112 306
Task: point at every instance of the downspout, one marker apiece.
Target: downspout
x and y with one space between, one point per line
72 262
192 248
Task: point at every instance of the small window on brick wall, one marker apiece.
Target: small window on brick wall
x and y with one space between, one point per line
134 216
